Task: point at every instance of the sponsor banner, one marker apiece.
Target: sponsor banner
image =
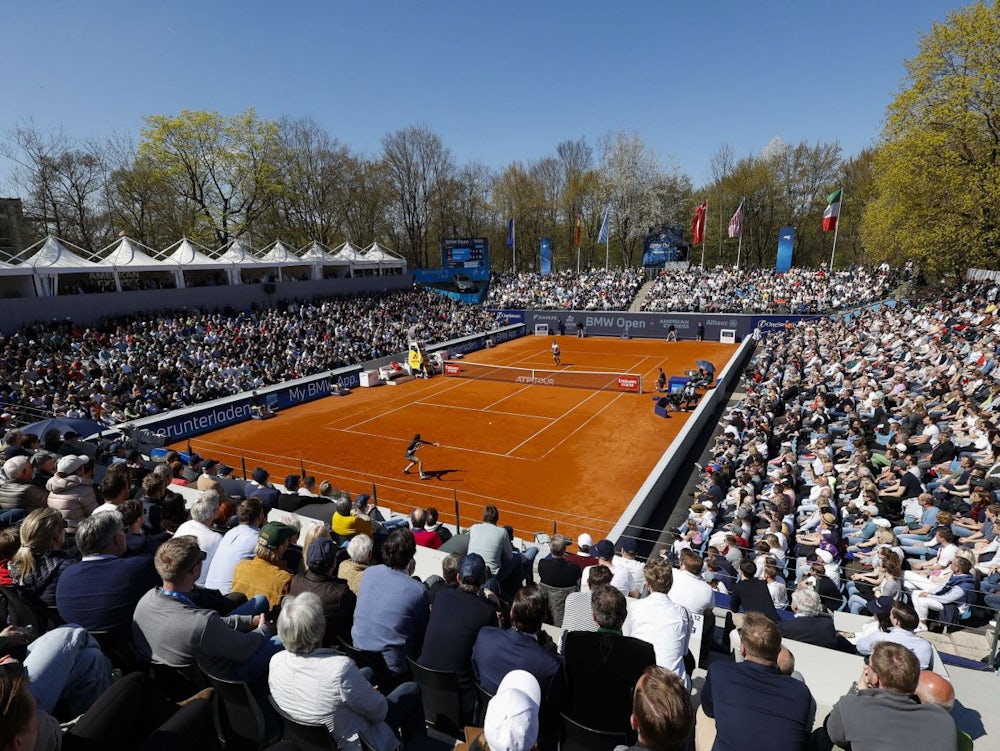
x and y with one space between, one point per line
452 369
628 383
786 246
204 418
646 325
509 316
769 323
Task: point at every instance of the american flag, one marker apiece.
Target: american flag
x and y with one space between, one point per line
736 223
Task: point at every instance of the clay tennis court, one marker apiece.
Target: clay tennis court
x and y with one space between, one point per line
540 453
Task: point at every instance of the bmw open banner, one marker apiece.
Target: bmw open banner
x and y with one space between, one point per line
786 242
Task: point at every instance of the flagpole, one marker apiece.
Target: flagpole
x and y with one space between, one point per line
739 246
704 237
836 229
607 250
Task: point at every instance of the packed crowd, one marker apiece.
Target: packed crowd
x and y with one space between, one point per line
131 367
798 290
862 448
613 289
864 463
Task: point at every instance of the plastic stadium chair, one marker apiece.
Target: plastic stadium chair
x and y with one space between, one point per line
306 737
239 719
441 698
576 737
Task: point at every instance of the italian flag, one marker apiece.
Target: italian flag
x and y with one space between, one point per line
832 211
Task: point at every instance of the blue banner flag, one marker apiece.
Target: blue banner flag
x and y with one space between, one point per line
510 233
603 236
786 243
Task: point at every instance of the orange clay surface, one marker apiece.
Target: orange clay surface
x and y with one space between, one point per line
540 454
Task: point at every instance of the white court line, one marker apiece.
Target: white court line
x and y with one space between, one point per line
554 422
483 409
581 427
443 445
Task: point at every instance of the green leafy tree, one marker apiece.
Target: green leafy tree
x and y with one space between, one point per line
937 174
226 166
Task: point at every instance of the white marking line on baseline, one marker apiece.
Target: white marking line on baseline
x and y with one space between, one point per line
576 430
554 422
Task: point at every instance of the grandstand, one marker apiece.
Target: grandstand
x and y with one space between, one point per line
814 425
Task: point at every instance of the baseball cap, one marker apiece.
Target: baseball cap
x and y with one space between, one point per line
584 540
603 549
40 457
627 545
472 567
273 534
824 555
210 464
511 722
70 464
321 553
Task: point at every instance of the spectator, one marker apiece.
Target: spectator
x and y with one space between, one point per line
359 550
392 610
336 598
17 492
203 510
41 560
422 536
266 573
662 714
661 622
238 544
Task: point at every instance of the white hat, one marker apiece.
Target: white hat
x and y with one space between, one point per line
880 522
584 540
70 464
824 555
512 716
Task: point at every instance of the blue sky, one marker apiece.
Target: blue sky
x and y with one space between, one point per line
498 82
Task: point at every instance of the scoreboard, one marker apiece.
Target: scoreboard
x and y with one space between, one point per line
465 253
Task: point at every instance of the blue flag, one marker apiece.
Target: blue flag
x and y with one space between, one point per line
510 233
603 236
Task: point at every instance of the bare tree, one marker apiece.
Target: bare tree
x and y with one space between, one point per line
417 165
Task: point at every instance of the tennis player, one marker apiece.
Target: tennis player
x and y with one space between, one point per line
556 352
412 458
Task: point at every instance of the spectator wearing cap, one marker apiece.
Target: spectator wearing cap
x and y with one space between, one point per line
100 592
169 629
555 570
71 490
458 615
44 464
393 608
903 621
18 492
582 558
238 544
208 480
423 537
203 510
258 487
606 659
192 471
266 573
512 717
661 622
621 577
626 559
336 598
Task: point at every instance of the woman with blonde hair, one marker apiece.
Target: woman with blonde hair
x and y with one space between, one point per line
315 532
39 562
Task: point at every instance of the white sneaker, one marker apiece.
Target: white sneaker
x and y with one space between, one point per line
920 628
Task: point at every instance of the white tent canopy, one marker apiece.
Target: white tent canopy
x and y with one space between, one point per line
50 259
386 259
279 256
239 256
320 257
134 268
189 257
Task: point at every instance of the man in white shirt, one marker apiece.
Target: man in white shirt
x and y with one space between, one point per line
621 577
238 544
626 559
660 621
203 510
689 590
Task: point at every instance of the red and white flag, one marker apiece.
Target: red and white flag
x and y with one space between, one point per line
736 223
698 223
832 211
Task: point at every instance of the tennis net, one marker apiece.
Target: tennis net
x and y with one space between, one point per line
579 379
